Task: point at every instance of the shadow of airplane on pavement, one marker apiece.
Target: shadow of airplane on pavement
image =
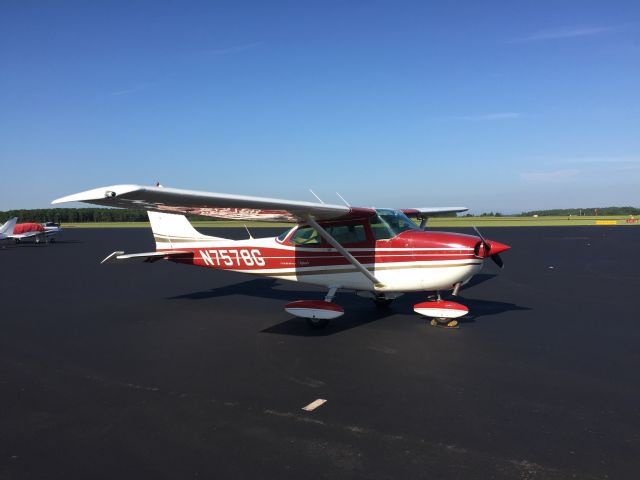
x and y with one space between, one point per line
357 313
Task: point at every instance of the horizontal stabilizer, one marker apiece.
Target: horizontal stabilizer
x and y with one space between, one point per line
149 257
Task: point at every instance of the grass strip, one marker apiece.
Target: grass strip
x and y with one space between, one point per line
433 222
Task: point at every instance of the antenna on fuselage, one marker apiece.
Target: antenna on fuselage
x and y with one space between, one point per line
345 202
247 229
314 194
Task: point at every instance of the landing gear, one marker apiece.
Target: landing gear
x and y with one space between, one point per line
444 323
317 322
442 313
382 302
317 312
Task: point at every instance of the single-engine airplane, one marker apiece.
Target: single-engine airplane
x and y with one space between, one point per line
35 231
379 253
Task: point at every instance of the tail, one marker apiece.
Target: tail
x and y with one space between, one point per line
7 228
173 231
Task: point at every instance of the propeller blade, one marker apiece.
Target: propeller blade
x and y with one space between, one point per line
485 244
480 235
487 249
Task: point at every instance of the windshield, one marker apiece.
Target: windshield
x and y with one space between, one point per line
284 234
387 223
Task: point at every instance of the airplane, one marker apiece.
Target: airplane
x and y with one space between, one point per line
376 252
36 231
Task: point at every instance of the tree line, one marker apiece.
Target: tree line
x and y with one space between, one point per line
75 215
600 211
82 215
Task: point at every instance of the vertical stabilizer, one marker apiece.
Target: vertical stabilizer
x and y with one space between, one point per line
172 231
7 228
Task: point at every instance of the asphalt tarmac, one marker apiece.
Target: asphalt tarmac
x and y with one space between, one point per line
167 371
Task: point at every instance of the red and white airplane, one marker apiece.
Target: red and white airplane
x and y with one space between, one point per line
36 231
380 253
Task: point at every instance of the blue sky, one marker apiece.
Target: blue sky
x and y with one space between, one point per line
501 106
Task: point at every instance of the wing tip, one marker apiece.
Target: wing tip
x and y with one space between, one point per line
97 194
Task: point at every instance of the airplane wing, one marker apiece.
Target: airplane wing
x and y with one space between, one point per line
216 205
26 235
429 211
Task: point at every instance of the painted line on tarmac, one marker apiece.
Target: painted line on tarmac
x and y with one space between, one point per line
315 404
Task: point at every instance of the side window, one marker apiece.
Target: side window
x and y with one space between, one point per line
305 236
381 229
346 234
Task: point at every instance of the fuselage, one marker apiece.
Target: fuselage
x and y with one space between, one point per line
34 231
413 260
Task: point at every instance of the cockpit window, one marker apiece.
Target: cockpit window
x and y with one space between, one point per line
388 223
305 236
283 235
348 234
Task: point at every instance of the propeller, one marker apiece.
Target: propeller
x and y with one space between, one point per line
486 246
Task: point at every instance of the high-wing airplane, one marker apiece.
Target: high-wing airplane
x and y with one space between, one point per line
35 231
380 253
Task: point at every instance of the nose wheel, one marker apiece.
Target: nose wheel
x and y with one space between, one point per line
442 313
444 323
317 322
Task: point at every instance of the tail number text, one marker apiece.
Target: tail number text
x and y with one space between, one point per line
232 258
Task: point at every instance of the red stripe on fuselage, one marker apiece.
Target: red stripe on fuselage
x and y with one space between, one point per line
261 258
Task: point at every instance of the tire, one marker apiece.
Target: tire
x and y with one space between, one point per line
317 322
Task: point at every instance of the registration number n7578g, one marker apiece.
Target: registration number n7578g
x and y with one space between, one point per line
232 257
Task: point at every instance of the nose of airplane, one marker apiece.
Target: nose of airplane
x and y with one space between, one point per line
496 247
486 248
491 249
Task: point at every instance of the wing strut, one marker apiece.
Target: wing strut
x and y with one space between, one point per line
343 251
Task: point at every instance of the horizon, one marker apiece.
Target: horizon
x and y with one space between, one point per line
583 211
495 107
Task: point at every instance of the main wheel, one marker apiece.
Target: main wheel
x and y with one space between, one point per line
317 322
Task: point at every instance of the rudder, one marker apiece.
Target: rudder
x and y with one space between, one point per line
7 228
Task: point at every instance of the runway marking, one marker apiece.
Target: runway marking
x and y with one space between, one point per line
315 404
